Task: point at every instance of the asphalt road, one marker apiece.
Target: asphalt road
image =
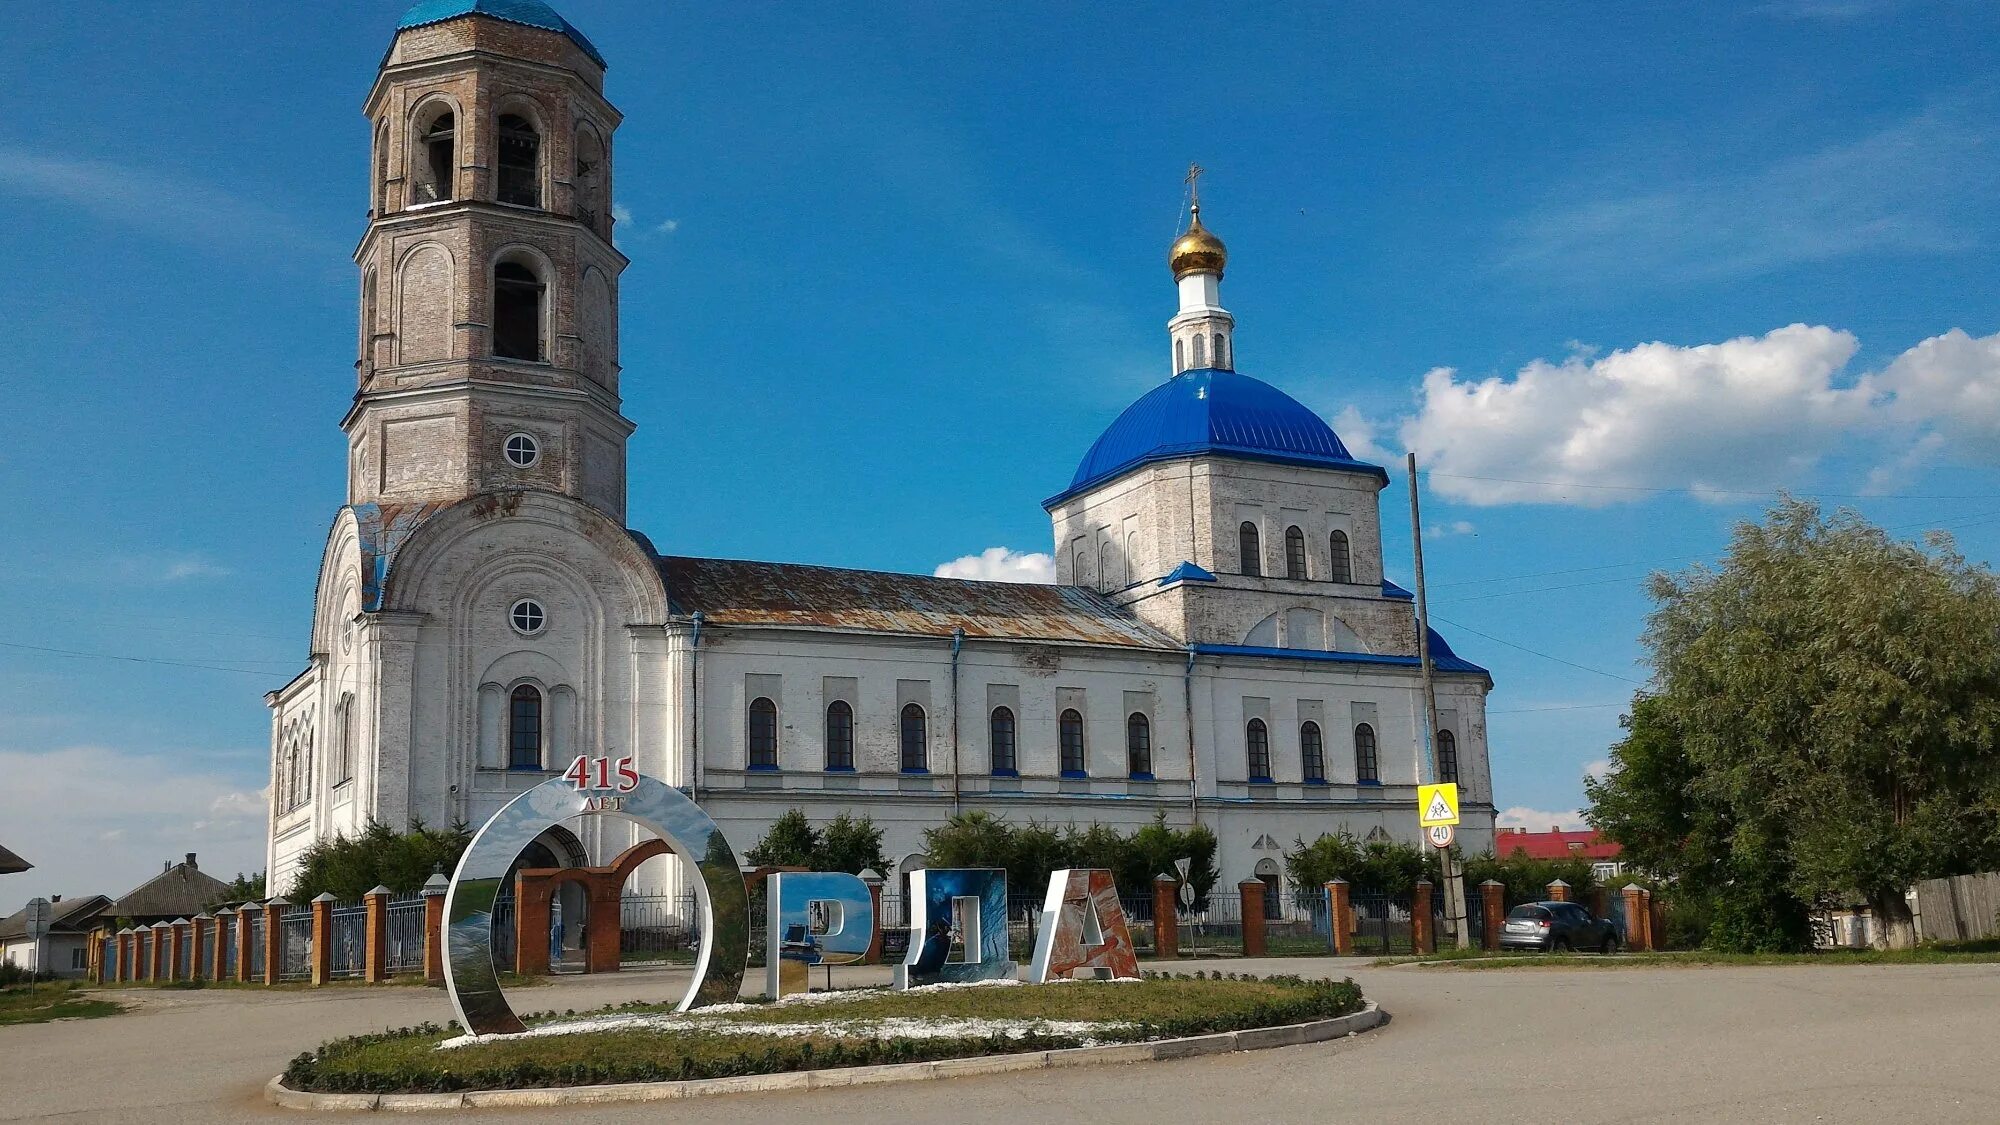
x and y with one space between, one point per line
1777 1044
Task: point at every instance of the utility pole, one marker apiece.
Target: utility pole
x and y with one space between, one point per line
1454 878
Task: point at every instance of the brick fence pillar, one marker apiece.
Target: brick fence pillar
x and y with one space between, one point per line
1493 908
1656 922
874 954
321 951
1635 917
1166 918
94 958
126 970
1422 937
1558 891
1340 916
434 889
161 967
225 933
274 938
375 932
244 952
1250 892
1646 916
183 950
204 927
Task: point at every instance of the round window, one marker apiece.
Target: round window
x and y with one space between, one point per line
523 450
527 616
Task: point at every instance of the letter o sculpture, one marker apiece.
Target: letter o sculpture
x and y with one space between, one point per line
469 972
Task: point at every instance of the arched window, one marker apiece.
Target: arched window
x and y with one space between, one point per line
1079 566
590 178
524 729
916 740
1180 356
1367 770
761 739
1000 734
368 326
1295 553
1447 756
520 162
344 716
1107 565
1257 744
839 735
1139 746
1222 351
1069 736
1200 350
380 192
518 297
1247 550
1312 753
434 164
1341 567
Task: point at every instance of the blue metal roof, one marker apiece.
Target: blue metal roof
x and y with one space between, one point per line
1212 412
528 13
1186 572
1442 658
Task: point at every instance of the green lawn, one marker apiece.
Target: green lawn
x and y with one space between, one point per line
1975 952
1157 1008
60 1000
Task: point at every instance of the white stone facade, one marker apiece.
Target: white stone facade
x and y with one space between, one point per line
408 709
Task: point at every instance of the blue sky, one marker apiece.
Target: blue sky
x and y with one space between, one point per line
894 267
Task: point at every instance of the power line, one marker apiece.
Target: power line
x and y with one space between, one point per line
1543 655
1706 491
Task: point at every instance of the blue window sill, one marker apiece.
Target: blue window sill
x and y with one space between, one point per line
763 769
1261 781
916 770
1076 775
1143 777
1376 782
840 769
526 769
1006 773
1315 781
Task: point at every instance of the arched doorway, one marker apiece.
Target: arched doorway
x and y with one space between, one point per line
557 847
1274 887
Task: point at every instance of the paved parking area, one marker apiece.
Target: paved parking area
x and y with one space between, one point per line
1777 1044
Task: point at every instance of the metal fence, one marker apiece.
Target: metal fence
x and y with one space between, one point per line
226 930
1381 923
204 953
404 939
295 942
258 922
503 930
656 926
347 941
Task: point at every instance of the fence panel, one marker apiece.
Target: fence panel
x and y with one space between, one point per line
204 953
258 922
1960 908
295 942
1381 923
348 941
405 936
225 932
111 947
657 926
503 930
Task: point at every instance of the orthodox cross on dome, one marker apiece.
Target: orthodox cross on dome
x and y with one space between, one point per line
1193 181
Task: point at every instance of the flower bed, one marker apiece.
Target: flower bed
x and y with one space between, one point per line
639 1043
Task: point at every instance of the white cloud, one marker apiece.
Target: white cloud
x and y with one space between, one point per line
162 568
621 213
95 820
998 564
1752 414
1597 768
1539 820
1449 529
669 227
1358 433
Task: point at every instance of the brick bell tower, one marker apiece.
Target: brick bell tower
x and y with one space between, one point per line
489 285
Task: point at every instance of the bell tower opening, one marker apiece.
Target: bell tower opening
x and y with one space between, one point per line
518 299
520 162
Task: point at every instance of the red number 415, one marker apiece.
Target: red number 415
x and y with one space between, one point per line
598 773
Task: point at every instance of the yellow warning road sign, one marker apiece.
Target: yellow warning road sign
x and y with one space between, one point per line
1437 804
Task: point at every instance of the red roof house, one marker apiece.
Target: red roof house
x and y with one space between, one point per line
1555 844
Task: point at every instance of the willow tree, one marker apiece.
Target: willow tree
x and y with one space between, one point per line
1825 718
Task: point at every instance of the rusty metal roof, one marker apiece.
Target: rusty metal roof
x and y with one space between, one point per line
736 592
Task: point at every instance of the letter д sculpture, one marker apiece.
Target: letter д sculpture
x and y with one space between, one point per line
470 974
936 897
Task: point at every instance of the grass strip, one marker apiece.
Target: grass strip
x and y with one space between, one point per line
1160 1007
57 1000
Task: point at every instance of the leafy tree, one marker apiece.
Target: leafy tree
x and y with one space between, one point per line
1823 728
1376 867
351 866
846 844
1031 851
240 889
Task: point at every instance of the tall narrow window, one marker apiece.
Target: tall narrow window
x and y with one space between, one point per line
345 717
1295 553
1200 350
761 741
1447 756
1222 351
1000 734
520 161
1341 567
839 735
368 328
1180 356
1257 743
381 168
1247 550
1139 746
518 296
1312 753
1367 770
524 729
1069 735
916 740
435 171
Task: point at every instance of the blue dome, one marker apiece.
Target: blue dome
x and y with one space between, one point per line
1216 413
528 13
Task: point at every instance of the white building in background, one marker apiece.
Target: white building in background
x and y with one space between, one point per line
1222 644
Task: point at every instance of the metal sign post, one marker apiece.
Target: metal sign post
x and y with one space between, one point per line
39 916
1454 878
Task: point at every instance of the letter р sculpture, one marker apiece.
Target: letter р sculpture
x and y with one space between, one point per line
791 946
470 973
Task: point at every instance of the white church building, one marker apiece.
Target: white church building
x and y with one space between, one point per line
1221 644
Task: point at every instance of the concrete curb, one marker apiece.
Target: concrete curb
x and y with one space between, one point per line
1290 1035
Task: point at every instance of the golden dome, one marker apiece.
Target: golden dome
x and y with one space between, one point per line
1198 250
